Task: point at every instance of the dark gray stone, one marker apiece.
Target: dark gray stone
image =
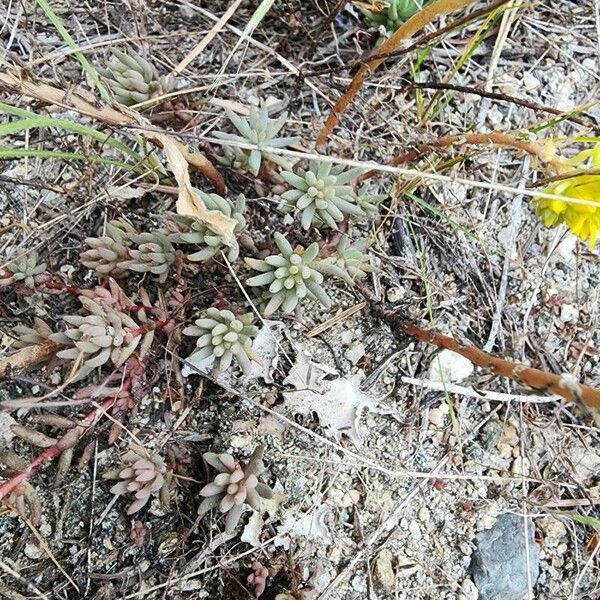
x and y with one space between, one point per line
499 562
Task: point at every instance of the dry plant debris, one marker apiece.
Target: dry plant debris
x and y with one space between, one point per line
162 199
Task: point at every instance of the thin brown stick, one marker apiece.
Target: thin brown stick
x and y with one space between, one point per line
564 385
558 164
436 85
417 22
207 39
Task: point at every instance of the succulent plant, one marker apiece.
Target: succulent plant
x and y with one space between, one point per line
194 232
289 276
144 475
225 336
107 253
258 578
392 13
349 262
257 129
321 194
154 254
234 486
132 79
104 335
30 336
22 269
369 202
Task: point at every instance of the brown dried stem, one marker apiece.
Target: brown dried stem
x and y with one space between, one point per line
417 22
561 385
558 164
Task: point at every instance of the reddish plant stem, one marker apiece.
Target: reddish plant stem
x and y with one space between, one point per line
51 453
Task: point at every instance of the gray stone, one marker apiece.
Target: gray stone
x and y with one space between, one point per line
499 562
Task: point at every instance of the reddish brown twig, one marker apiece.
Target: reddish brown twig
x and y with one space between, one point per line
535 149
562 385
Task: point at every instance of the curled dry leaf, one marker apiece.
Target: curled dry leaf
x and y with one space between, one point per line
27 357
189 203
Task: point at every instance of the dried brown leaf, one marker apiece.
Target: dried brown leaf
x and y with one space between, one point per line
27 357
189 203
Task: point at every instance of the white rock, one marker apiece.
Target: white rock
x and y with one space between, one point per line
448 366
350 498
565 249
415 530
355 352
347 336
530 82
438 416
395 294
468 590
569 313
6 434
32 551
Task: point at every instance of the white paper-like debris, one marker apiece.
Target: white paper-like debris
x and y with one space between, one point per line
310 526
6 434
337 402
265 345
252 531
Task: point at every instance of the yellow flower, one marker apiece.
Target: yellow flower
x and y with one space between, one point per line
583 220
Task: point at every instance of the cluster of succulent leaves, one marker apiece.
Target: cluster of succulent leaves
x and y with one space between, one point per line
104 335
132 79
122 248
321 194
391 13
223 337
190 231
23 268
235 486
259 130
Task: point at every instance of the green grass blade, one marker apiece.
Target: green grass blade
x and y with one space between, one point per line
440 215
583 519
83 61
32 120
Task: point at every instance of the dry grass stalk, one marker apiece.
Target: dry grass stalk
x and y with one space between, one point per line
85 104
